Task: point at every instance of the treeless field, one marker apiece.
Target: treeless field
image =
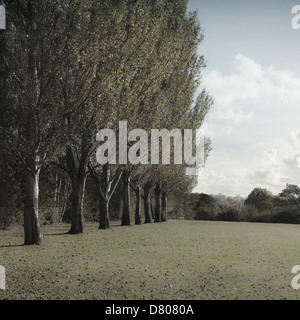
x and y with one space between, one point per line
174 260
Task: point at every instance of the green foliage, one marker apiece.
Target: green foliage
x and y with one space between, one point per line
260 206
249 213
229 213
11 191
262 199
292 194
204 207
286 216
11 181
9 217
74 67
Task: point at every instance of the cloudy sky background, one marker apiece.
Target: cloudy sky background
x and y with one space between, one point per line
253 73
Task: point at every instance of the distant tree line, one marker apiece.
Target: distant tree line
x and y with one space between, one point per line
69 68
260 206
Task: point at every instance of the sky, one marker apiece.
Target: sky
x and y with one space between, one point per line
253 73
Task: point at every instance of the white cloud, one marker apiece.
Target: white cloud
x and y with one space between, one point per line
275 169
294 138
235 115
234 175
282 84
224 174
254 126
248 67
249 82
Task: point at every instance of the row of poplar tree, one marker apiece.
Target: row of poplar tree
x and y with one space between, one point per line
69 68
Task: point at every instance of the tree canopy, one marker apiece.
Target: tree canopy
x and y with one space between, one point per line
70 68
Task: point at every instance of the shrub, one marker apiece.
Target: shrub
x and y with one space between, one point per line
228 214
286 216
9 217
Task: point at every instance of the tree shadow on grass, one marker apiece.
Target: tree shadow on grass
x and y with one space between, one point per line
56 234
115 226
23 245
12 245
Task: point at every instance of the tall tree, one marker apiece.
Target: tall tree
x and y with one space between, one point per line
91 64
292 193
106 183
261 198
33 50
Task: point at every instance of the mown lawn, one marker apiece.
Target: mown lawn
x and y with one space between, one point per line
173 260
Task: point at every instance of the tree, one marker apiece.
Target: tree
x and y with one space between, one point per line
92 64
262 199
106 183
204 207
167 38
86 65
292 193
228 213
138 182
173 104
34 48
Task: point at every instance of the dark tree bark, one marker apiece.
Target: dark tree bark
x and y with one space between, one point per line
157 192
126 199
164 209
77 197
147 200
138 220
64 200
105 192
32 230
104 222
57 192
78 179
151 208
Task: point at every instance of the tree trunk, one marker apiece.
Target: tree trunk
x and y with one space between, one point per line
57 192
157 192
78 179
104 214
32 230
120 213
77 197
65 196
104 185
126 199
138 205
147 207
164 209
151 208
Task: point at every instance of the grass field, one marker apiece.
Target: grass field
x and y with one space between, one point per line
173 260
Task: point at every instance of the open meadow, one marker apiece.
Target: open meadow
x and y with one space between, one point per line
174 260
